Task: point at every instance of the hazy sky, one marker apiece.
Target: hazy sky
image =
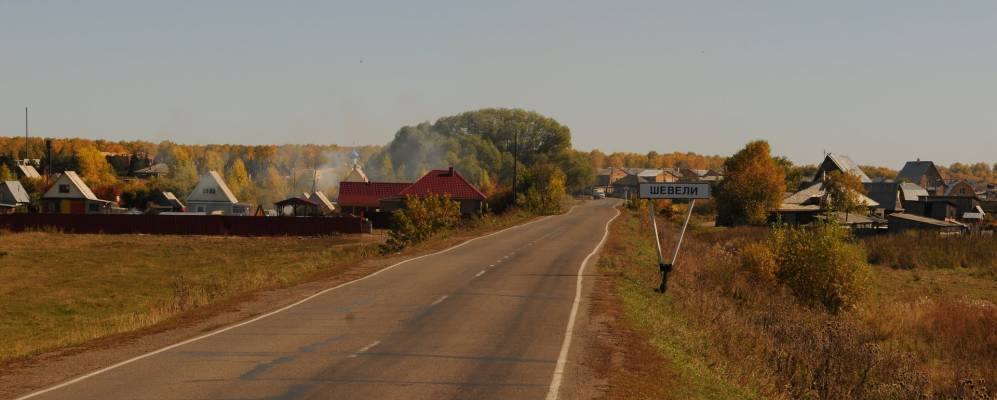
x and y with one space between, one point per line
882 81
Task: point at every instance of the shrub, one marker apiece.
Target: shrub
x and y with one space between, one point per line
422 218
759 262
820 265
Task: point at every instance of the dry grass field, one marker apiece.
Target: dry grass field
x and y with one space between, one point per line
58 290
914 332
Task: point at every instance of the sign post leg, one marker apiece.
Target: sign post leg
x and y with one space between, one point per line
666 268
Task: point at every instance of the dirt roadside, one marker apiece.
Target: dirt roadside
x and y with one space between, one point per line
23 376
609 359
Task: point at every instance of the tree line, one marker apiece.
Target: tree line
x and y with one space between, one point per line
256 174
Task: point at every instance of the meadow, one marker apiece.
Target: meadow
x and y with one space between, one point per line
926 331
59 290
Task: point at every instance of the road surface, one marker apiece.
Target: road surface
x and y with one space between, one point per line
484 320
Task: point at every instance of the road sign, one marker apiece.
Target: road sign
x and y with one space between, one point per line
675 190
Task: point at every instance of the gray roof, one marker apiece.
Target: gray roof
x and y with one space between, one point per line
846 164
914 170
28 171
912 191
923 220
158 168
885 193
16 190
813 193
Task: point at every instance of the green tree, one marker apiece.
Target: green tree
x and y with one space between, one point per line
545 189
237 178
753 186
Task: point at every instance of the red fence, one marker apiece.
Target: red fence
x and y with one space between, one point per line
186 224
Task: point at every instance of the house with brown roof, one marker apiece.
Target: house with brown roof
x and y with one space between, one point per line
70 195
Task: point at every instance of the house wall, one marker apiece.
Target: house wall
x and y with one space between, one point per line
72 206
210 207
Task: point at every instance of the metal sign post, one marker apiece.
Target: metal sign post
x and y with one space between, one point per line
691 191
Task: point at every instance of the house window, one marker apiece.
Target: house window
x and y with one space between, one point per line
200 209
209 190
63 188
94 207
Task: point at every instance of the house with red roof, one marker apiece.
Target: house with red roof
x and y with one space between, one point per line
443 182
364 198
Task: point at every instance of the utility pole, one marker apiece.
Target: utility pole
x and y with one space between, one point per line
515 162
25 134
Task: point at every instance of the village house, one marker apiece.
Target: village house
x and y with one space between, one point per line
70 195
325 205
840 163
441 182
901 222
606 177
26 169
153 171
298 207
13 197
165 202
924 174
893 196
804 206
213 196
364 198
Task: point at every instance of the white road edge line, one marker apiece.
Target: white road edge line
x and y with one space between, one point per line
364 349
439 300
285 308
482 272
562 359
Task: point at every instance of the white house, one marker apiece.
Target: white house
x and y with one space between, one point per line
212 196
70 195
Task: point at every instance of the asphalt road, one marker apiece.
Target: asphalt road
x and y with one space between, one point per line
485 320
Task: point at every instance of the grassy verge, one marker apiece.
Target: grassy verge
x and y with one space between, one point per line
59 290
629 258
916 333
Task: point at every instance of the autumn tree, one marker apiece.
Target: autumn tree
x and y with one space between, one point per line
753 186
237 178
6 174
93 167
843 192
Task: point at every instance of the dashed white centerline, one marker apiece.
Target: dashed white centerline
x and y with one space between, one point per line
482 272
439 300
364 349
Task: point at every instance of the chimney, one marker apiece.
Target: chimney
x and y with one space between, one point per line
450 171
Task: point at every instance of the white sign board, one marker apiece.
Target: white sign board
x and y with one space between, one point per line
675 190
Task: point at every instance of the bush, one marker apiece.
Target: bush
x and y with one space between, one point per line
820 265
759 262
421 219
